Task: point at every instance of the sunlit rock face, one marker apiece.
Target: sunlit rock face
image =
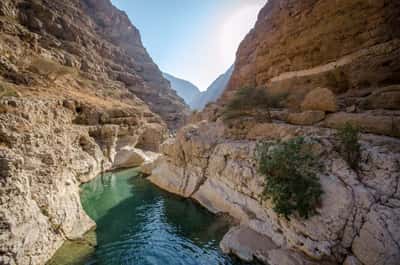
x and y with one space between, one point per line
323 64
97 39
77 89
359 212
343 45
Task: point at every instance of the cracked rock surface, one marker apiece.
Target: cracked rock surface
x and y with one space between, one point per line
358 219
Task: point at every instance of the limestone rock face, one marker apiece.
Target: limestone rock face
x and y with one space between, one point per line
93 38
77 89
324 56
358 216
46 152
297 46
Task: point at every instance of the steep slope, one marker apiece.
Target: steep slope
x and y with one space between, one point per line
95 38
300 45
185 89
77 88
213 92
323 64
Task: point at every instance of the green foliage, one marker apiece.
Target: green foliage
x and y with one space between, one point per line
248 102
290 174
348 137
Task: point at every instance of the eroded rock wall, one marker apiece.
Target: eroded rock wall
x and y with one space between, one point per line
46 152
77 89
300 45
358 216
92 37
351 48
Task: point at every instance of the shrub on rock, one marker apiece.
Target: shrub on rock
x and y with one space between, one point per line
348 137
291 181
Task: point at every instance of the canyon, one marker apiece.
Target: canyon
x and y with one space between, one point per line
323 64
80 95
77 90
195 98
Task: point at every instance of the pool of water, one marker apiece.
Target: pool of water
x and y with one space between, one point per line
139 224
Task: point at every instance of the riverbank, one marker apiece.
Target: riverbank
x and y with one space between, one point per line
138 223
207 164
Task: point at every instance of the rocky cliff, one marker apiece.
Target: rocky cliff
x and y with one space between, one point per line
92 37
77 92
349 47
356 222
323 64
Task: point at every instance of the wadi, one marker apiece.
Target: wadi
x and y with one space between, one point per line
290 157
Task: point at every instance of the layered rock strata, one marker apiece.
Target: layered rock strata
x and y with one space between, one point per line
77 90
46 152
92 37
358 216
351 48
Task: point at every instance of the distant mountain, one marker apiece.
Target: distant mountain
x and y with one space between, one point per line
183 88
213 92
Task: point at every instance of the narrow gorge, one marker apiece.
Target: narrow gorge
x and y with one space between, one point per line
80 96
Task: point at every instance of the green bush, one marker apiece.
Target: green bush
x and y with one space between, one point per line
348 137
291 181
248 101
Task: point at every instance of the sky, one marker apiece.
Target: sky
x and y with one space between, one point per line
195 40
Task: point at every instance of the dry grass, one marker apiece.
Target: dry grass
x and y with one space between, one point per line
7 91
50 69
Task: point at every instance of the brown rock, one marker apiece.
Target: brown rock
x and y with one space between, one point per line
384 98
366 122
296 46
321 99
306 118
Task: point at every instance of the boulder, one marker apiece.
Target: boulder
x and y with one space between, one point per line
309 117
129 157
246 244
321 99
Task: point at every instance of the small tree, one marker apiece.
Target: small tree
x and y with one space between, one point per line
291 181
248 102
348 136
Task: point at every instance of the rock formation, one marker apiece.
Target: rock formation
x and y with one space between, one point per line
323 64
77 90
183 88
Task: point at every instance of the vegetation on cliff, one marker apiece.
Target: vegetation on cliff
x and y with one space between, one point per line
253 102
348 137
291 180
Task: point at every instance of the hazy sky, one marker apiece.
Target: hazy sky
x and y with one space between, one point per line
192 39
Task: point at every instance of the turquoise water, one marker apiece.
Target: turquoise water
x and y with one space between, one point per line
139 224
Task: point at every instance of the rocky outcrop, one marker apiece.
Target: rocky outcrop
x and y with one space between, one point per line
90 38
339 56
322 64
358 216
77 90
296 46
47 150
